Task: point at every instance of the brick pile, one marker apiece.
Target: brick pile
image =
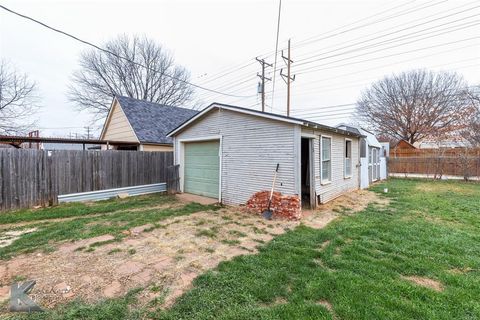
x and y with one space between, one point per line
283 206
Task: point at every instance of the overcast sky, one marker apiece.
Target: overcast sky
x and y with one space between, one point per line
338 47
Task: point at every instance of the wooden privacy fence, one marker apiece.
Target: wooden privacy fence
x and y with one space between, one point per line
436 162
173 179
35 177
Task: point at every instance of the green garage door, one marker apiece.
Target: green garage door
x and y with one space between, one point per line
202 168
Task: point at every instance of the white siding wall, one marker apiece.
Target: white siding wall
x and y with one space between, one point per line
364 181
339 183
251 148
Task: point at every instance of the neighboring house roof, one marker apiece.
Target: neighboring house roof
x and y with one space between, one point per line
268 115
152 121
404 144
371 139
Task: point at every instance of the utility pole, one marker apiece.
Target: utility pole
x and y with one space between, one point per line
263 78
287 78
88 132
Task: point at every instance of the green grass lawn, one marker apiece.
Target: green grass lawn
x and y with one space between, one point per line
356 264
90 220
76 209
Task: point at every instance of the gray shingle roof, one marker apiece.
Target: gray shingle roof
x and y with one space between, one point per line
280 117
152 121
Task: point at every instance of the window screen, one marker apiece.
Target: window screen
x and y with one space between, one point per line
348 158
326 162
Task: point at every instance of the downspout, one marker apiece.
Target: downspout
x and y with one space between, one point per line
359 163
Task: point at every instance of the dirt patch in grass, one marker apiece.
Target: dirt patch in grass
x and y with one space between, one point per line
278 301
425 282
8 237
170 256
461 270
167 256
324 245
349 203
89 216
329 307
440 186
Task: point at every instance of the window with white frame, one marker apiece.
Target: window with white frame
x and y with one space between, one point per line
363 148
326 159
348 158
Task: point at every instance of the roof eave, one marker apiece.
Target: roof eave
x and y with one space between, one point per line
232 108
163 144
301 122
332 129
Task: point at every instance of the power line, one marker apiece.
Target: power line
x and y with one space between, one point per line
288 78
321 113
276 49
393 39
363 83
353 23
390 40
326 64
331 116
113 53
386 56
230 71
249 86
392 28
299 63
270 53
393 16
403 37
387 65
229 86
263 78
319 109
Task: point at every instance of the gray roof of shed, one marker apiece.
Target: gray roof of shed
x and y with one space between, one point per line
152 121
303 122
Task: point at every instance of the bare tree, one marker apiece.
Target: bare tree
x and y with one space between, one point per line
415 105
18 101
471 133
138 68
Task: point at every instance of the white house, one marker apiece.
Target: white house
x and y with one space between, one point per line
230 153
373 164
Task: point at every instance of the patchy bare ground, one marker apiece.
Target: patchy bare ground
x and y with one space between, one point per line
425 282
168 258
346 204
8 237
442 187
7 226
329 307
162 260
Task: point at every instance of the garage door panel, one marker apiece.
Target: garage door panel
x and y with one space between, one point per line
201 171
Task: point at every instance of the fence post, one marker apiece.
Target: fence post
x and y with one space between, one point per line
173 179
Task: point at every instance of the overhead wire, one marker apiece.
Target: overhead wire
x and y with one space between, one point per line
276 51
388 56
386 42
363 83
111 52
392 16
388 29
469 24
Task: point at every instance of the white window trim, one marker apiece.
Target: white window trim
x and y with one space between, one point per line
322 181
345 176
181 156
